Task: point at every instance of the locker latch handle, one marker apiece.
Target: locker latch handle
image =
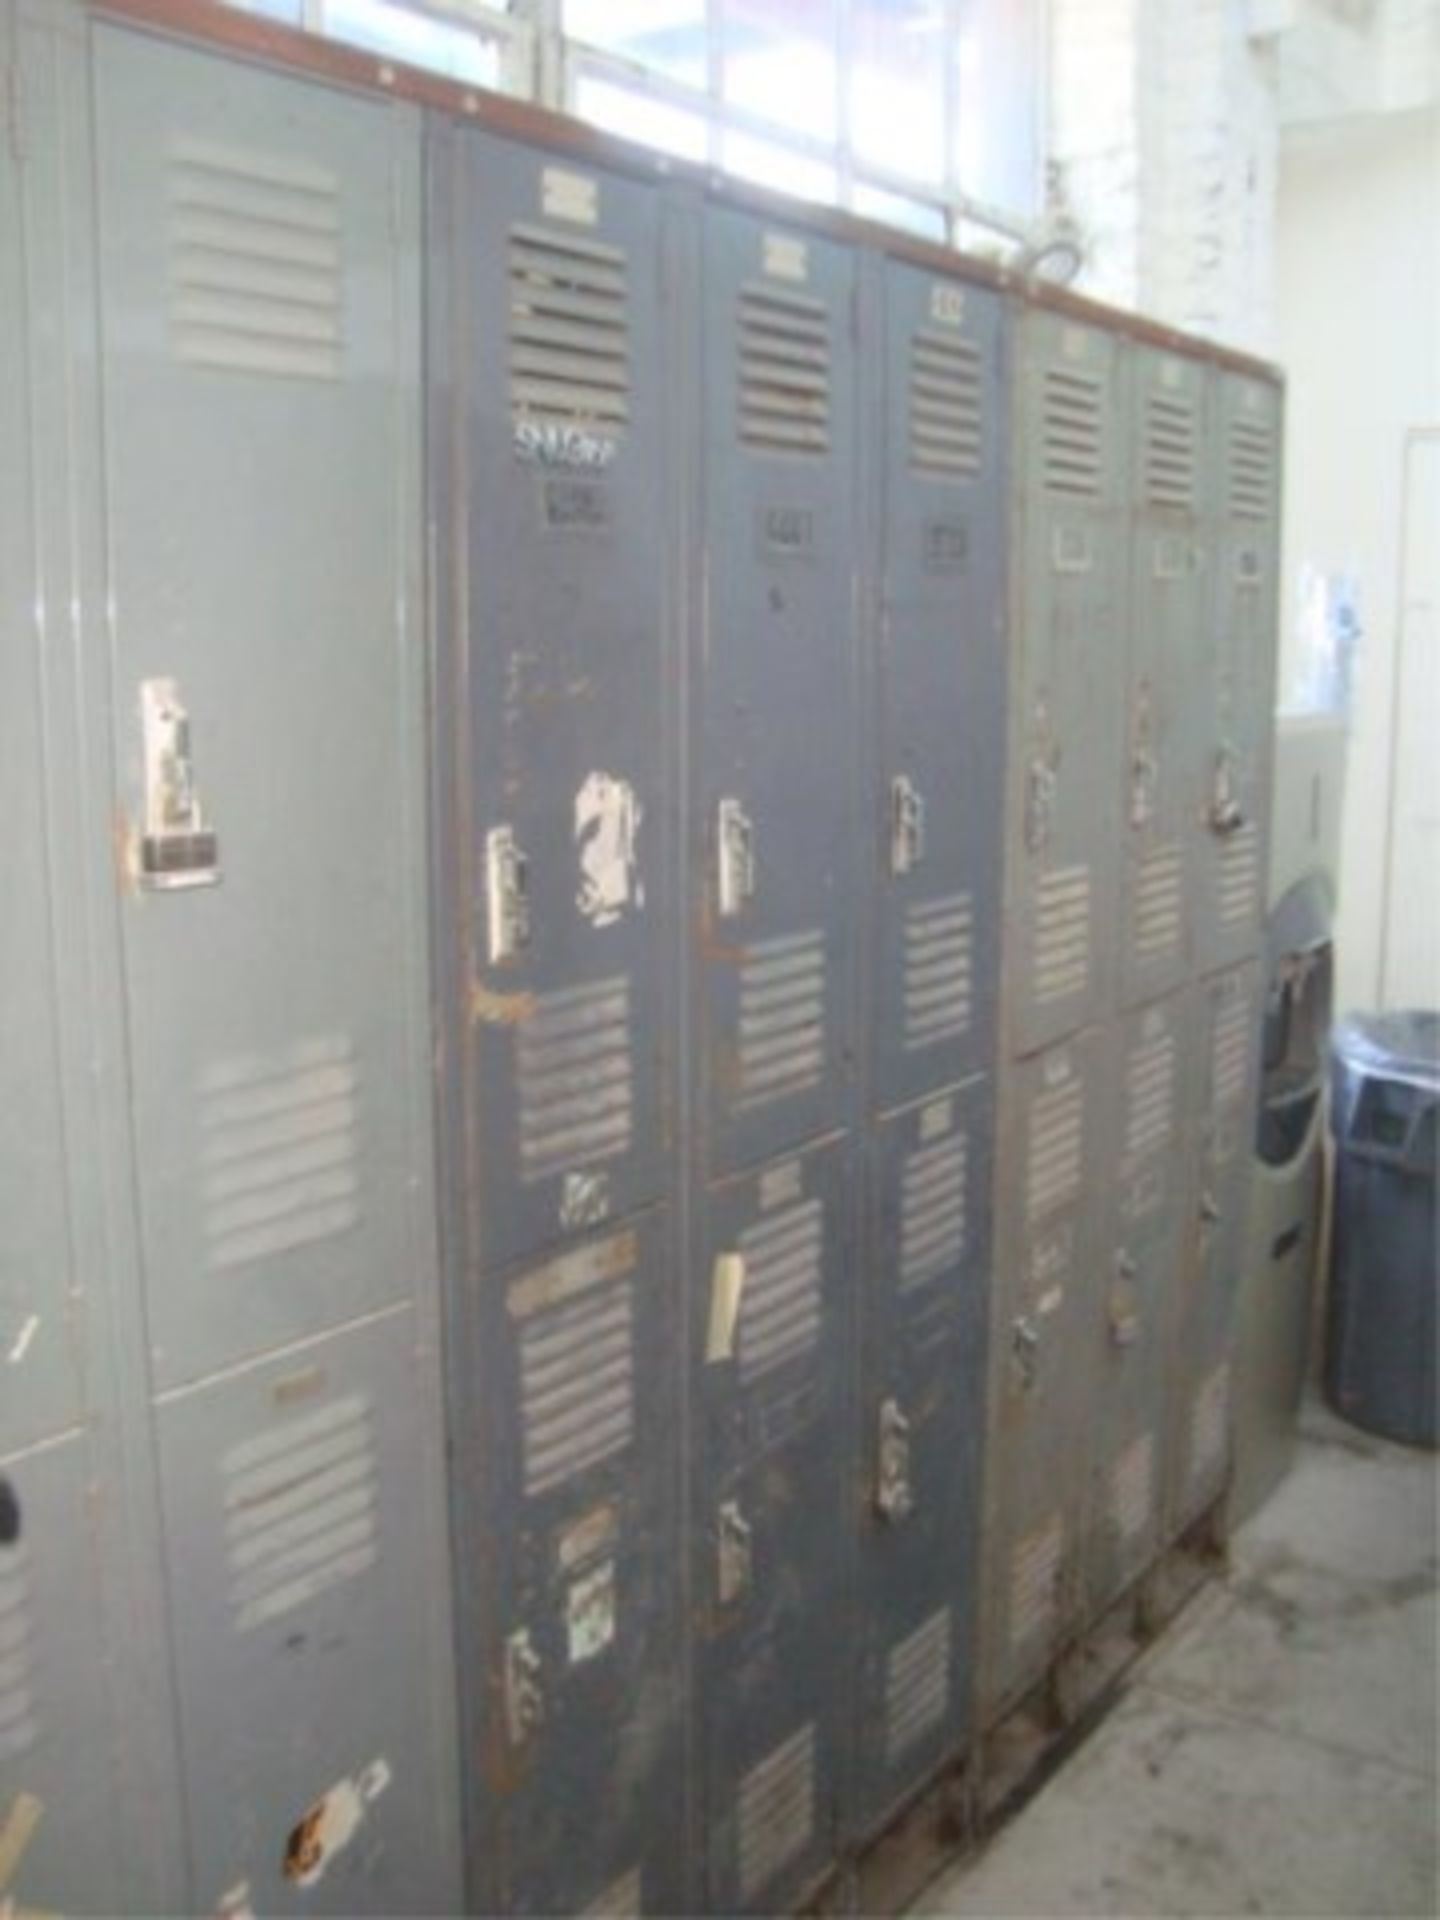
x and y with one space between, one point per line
734 1553
907 825
735 842
1144 780
1226 816
524 1696
1124 1308
894 1495
507 895
178 847
1209 1208
1039 803
1025 1350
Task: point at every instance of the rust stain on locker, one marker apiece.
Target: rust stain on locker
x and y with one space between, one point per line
499 1009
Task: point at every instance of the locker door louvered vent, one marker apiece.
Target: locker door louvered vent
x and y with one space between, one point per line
784 372
1054 1154
279 1150
945 406
619 1901
1238 879
1230 1058
255 282
917 1685
574 1078
1170 451
1158 904
1074 432
939 957
780 1311
577 1385
1150 1097
1062 934
299 1510
782 1018
569 331
932 1211
775 1812
1209 1417
19 1726
1132 1488
1035 1581
1251 471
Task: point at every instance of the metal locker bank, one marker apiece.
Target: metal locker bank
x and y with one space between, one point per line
628 991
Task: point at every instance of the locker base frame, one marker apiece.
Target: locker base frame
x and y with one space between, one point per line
1088 1677
973 1794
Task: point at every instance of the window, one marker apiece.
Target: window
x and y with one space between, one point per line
925 114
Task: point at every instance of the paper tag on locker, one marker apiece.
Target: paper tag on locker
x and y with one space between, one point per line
727 1283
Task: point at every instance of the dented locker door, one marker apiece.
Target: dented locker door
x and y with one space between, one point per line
1133 1317
1066 719
775 832
940 685
62 1848
1231 801
577 1789
771 1541
1172 569
259 357
1042 1373
303 1566
556 505
921 1433
1227 1021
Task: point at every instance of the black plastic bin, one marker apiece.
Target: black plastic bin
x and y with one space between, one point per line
1380 1361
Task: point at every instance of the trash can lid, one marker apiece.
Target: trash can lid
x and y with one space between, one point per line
1404 1045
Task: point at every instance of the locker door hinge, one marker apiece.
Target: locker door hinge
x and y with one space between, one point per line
734 1553
907 825
524 1697
894 1495
507 895
735 847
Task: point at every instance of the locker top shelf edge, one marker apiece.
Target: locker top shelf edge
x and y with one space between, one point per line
252 36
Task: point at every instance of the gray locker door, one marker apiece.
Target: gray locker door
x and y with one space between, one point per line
775 836
1066 708
1050 1218
1237 708
772 1542
921 1431
41 1393
63 1851
577 1790
559 511
1134 1309
1172 568
304 1571
260 280
1227 1019
940 682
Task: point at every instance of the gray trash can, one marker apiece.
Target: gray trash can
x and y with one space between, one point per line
1385 1269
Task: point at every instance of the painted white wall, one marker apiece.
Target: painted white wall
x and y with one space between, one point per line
1358 313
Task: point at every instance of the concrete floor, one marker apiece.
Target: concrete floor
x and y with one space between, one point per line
1276 1751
